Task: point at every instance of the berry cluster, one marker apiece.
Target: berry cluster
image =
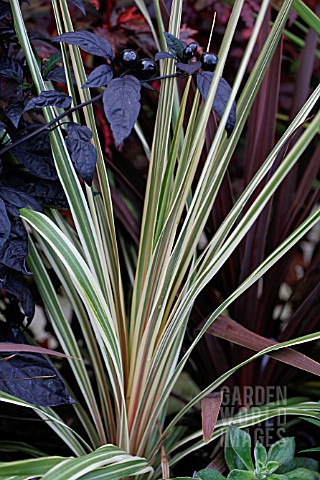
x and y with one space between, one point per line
144 69
208 60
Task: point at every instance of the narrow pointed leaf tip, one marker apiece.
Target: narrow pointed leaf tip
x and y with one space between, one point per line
87 41
221 98
121 102
227 329
79 4
14 347
210 406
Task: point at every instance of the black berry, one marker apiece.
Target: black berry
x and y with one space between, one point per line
128 58
208 61
190 51
146 68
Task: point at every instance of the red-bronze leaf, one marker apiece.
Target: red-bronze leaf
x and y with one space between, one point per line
210 406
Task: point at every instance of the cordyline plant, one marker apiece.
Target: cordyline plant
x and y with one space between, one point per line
133 341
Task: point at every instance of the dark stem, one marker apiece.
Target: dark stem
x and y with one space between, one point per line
52 122
68 112
171 75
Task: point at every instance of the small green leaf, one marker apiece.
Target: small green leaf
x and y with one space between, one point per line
299 462
282 451
302 474
272 466
51 62
276 476
260 454
25 86
238 449
210 474
175 46
241 475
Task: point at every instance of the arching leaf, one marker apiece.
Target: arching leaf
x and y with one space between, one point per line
79 4
49 98
87 41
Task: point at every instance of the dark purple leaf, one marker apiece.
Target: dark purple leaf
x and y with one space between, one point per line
31 377
79 4
22 294
49 98
14 112
15 250
88 41
48 193
121 102
40 192
175 46
204 80
57 74
162 55
83 153
38 163
5 225
12 211
11 68
18 199
189 68
3 128
99 77
4 9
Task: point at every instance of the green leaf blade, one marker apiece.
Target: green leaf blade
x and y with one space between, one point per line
238 449
282 451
